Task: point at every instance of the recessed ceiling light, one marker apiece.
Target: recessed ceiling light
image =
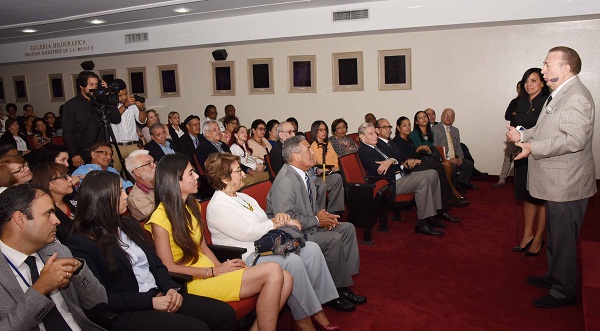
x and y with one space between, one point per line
181 10
29 31
97 21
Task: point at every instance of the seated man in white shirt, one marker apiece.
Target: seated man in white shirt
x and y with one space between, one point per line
42 285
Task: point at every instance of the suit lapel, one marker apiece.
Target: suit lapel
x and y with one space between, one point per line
9 281
300 180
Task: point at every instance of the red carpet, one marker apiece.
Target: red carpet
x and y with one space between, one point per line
469 279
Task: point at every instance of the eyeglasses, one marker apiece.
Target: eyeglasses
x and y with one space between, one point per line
262 129
105 153
151 164
288 131
65 176
448 115
322 130
386 127
238 171
21 168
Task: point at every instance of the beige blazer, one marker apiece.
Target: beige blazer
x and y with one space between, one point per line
561 164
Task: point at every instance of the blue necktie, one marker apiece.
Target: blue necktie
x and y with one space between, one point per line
310 196
195 142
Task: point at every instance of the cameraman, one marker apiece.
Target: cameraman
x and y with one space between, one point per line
131 111
81 121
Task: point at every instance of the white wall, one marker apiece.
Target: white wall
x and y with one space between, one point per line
472 70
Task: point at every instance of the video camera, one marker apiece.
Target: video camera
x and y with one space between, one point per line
139 98
106 96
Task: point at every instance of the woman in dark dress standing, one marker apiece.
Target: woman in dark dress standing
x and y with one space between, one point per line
528 110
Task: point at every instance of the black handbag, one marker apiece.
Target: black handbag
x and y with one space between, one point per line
281 241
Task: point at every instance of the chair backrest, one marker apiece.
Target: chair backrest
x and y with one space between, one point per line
259 192
351 169
205 231
308 136
198 167
272 173
354 137
29 140
58 140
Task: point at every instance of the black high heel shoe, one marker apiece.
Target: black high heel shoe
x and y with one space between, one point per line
529 253
522 249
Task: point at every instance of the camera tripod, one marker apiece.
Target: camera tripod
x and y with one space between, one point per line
111 139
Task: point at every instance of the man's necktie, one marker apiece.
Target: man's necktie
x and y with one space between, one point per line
195 139
53 321
450 143
380 152
310 195
549 99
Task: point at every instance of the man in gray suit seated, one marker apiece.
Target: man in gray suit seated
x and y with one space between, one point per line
40 281
294 193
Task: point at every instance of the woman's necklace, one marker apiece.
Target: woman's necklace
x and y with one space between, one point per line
247 205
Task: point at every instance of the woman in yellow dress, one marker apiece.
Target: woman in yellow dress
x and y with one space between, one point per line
178 239
323 155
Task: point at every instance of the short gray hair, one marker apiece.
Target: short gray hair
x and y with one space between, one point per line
155 126
280 127
132 161
364 126
291 146
207 123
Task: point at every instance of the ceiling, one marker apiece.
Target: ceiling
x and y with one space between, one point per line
60 18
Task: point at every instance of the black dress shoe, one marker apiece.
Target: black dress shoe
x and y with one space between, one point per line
435 223
469 186
341 304
461 189
426 229
446 216
518 248
459 202
347 293
542 282
548 301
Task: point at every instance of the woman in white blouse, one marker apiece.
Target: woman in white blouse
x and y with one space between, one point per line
239 146
236 219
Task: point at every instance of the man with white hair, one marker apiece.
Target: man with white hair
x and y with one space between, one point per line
141 166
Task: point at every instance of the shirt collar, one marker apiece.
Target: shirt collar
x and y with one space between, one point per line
17 258
143 187
554 93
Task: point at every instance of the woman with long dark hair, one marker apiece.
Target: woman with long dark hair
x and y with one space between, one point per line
529 107
324 152
259 144
138 285
54 178
239 147
40 138
177 232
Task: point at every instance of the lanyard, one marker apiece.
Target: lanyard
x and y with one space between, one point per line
17 270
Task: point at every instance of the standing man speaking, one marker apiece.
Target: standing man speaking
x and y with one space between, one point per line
561 170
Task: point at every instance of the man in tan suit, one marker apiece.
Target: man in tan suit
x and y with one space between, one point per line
561 170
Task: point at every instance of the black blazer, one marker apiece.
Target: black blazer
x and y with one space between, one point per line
277 156
122 290
156 151
8 139
206 148
369 156
186 145
174 137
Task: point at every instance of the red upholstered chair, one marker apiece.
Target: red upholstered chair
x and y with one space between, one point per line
354 137
244 309
308 136
259 192
367 202
29 140
57 140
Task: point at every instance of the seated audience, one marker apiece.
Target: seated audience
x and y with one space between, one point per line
101 156
189 142
293 193
19 168
175 130
271 133
370 118
43 286
230 123
259 144
229 111
430 157
448 136
210 114
285 130
177 233
14 138
52 128
151 119
138 285
294 122
40 138
159 146
236 219
213 144
378 160
341 143
239 147
27 126
142 167
7 179
54 178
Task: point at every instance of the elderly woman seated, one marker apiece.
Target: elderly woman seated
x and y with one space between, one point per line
236 219
341 143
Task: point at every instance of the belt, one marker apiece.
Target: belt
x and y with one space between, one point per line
127 143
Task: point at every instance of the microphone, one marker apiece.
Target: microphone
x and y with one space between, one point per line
554 80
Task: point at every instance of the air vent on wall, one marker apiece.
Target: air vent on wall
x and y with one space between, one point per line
136 38
348 15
